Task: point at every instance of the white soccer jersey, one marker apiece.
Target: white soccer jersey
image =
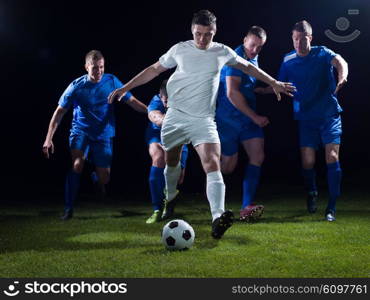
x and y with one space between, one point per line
193 87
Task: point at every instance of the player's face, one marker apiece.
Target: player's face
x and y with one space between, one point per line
301 42
164 99
203 35
253 45
95 69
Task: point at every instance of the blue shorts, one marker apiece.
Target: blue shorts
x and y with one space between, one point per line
100 152
315 133
154 136
234 131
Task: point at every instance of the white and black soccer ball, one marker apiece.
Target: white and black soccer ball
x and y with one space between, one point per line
178 235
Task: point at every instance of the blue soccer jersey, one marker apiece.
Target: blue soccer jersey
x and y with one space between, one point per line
156 104
224 107
313 77
92 115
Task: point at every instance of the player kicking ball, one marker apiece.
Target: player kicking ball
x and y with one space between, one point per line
192 92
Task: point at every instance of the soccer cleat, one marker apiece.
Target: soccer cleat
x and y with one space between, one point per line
169 207
330 216
311 202
222 223
154 218
68 214
251 212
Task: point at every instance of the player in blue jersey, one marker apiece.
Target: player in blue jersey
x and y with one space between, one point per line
156 113
93 124
315 105
238 122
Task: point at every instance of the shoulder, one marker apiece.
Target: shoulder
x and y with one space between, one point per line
79 81
183 45
290 56
109 77
324 50
240 50
155 98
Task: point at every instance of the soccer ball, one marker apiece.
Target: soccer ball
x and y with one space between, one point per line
178 235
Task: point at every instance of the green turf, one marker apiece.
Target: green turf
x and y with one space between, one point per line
112 240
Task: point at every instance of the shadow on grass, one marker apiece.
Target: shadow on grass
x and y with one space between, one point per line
126 213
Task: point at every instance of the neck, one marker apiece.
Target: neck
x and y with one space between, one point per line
305 53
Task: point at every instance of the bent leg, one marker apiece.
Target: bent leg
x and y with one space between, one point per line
308 156
156 176
255 150
209 155
172 171
73 179
334 174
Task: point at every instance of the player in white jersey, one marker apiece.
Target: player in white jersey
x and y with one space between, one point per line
192 91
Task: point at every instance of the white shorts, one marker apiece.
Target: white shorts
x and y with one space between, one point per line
179 128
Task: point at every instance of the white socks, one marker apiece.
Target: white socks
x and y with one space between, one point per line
216 193
171 176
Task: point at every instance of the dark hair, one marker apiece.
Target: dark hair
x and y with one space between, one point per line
258 32
303 26
203 17
163 88
94 55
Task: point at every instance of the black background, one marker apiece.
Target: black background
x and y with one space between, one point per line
43 44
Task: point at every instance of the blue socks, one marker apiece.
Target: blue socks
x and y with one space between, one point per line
334 180
71 189
309 176
94 177
250 183
157 185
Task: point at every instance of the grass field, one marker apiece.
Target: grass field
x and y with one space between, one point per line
112 240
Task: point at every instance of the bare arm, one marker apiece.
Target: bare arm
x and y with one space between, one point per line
277 86
143 77
239 101
53 125
342 69
157 117
137 105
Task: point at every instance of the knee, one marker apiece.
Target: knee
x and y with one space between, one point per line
172 160
257 159
227 168
158 160
78 166
104 179
332 157
308 163
211 163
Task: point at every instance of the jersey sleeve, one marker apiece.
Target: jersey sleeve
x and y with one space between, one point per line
232 56
230 71
329 54
167 60
155 104
118 84
66 100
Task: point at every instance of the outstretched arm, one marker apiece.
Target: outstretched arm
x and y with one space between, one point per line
239 101
277 86
143 77
342 69
137 105
53 125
